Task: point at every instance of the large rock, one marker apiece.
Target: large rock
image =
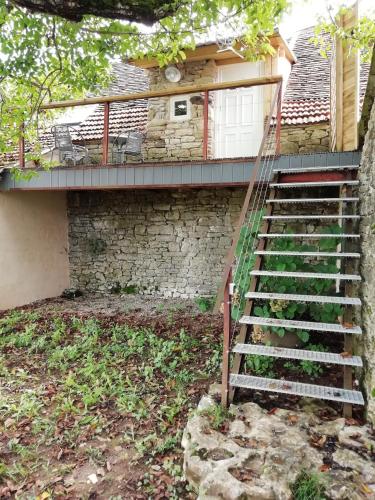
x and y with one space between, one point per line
258 455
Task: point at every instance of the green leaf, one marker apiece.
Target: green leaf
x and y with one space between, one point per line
303 335
258 311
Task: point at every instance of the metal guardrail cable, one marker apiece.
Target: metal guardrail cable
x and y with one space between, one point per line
254 220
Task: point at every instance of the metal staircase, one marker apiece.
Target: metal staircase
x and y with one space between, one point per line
238 339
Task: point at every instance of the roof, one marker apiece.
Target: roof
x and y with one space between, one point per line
123 115
306 99
307 95
211 50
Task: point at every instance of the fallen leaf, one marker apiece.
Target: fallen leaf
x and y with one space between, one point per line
318 441
345 354
324 467
272 411
351 421
346 324
286 386
9 422
366 489
43 496
293 419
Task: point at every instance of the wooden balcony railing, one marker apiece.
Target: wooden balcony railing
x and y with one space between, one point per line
173 91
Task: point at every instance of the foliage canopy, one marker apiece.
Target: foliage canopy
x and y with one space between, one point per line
54 57
45 57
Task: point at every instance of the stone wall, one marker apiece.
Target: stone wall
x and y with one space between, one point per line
178 140
367 228
305 138
167 243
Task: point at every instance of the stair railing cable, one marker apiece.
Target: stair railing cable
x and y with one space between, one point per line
260 178
252 227
275 109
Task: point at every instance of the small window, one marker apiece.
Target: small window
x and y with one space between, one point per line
180 108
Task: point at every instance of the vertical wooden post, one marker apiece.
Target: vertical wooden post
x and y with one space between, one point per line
345 88
226 343
21 146
105 133
205 125
278 120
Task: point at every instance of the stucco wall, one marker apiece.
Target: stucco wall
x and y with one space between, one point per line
367 228
33 247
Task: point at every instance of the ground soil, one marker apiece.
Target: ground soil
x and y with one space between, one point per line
100 462
109 462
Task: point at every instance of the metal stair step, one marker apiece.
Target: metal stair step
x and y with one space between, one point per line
283 352
315 169
296 388
281 185
306 235
292 274
312 200
339 255
319 299
300 325
310 217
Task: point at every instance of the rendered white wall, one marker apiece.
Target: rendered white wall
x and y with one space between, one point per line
33 246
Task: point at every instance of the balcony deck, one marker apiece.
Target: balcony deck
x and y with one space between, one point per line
164 175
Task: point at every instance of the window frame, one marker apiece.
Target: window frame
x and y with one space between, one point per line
179 118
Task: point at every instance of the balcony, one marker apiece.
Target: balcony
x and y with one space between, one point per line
197 135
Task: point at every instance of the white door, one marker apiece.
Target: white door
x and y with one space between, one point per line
239 113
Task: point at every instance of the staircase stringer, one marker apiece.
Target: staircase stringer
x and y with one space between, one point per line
348 311
244 346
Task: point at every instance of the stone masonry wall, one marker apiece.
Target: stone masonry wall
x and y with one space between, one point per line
367 229
166 243
178 140
305 138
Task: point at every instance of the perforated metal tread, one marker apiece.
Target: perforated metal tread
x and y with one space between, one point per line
299 325
296 388
286 353
291 274
319 299
339 255
306 235
315 169
310 217
312 200
284 185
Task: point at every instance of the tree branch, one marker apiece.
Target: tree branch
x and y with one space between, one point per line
141 11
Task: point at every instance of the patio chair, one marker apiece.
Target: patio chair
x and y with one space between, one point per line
127 144
68 152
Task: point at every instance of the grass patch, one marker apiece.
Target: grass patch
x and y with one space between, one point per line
308 486
73 380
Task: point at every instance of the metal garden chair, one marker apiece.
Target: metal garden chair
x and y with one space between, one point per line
127 144
68 152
